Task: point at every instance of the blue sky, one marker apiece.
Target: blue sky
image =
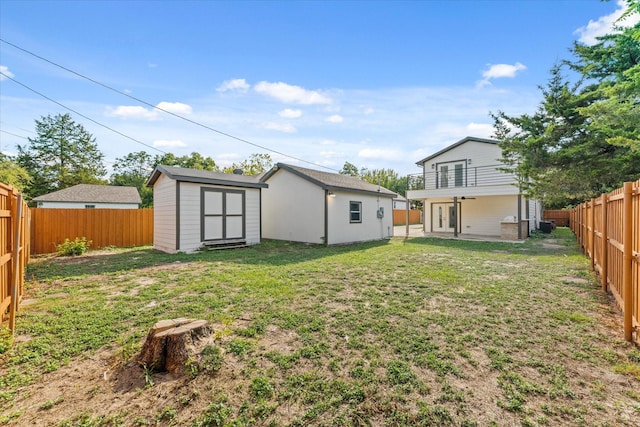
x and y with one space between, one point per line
380 84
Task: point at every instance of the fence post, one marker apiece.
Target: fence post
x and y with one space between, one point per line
604 262
627 258
592 233
15 262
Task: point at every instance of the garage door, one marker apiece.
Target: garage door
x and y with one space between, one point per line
223 214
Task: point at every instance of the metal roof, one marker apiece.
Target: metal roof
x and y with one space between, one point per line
204 177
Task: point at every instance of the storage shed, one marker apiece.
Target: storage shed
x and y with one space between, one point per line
195 208
307 205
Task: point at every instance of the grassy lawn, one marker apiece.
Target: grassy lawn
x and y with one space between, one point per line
424 332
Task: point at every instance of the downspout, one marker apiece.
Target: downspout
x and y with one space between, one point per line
326 217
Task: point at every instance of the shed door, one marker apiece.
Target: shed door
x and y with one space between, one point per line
223 214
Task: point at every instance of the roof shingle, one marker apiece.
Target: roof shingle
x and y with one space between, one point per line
92 193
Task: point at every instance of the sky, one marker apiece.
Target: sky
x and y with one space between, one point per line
379 84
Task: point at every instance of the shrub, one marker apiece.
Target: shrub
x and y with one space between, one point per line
77 246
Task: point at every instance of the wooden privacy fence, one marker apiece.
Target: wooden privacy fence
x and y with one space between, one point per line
561 217
14 252
400 216
104 227
608 229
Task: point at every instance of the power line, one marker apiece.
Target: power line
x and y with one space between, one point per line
13 134
80 114
163 110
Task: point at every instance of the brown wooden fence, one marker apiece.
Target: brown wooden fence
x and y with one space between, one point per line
561 217
608 229
104 227
400 216
14 252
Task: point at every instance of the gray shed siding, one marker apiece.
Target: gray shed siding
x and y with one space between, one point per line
164 215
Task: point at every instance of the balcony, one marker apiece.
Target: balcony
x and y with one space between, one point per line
463 181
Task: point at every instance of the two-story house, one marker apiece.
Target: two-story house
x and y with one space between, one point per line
465 189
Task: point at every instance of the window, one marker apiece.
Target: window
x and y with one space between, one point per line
90 206
355 212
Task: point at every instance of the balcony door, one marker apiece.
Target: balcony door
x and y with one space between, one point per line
443 218
451 174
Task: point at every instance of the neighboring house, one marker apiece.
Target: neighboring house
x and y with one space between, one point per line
400 202
86 196
306 205
196 208
465 190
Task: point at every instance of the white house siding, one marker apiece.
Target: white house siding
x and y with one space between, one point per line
164 215
292 209
83 205
341 230
190 214
481 216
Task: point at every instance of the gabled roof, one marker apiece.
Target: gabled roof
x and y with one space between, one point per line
204 177
91 193
456 144
331 181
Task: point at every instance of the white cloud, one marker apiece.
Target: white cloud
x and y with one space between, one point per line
138 112
481 130
498 71
237 85
228 156
336 118
133 112
291 94
5 70
328 142
288 113
332 154
369 110
169 143
280 127
605 25
380 153
175 107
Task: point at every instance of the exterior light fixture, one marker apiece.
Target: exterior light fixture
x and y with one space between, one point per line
331 194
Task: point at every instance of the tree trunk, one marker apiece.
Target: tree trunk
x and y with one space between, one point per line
170 343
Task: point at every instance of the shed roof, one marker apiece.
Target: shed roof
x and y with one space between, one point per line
331 181
92 193
205 177
456 144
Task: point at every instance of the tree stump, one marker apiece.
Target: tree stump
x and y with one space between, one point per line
171 342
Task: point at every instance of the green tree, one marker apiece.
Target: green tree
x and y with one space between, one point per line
558 156
350 169
62 154
255 164
134 170
12 173
387 178
192 161
614 64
